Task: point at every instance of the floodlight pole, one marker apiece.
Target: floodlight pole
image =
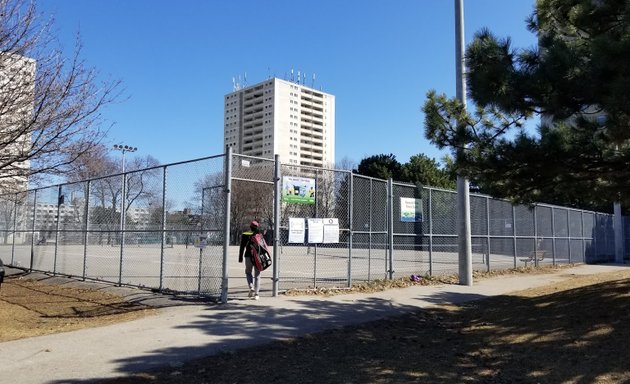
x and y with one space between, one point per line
123 149
463 197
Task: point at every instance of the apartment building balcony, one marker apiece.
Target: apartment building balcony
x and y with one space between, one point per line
306 121
252 136
254 125
254 90
253 109
312 137
311 105
253 151
312 151
313 115
252 103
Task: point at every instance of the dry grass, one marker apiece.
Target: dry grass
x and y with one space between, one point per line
574 331
404 282
32 308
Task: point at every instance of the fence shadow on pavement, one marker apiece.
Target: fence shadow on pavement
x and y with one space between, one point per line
577 335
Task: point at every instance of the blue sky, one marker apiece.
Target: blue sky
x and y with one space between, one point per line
177 60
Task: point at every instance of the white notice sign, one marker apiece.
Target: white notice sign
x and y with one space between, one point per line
331 230
315 230
296 230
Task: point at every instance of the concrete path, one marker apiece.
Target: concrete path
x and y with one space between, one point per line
182 333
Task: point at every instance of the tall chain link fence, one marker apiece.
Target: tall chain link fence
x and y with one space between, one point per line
160 228
169 228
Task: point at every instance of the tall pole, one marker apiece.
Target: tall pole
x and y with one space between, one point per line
463 197
123 149
226 222
618 228
277 192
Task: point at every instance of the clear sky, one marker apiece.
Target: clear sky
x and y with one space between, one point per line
177 59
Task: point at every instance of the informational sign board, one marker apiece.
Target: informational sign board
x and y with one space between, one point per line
331 231
298 190
323 231
410 209
315 230
297 230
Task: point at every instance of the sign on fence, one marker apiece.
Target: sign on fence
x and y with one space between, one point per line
410 209
323 230
298 190
296 230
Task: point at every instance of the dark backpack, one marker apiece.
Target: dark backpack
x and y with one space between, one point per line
259 252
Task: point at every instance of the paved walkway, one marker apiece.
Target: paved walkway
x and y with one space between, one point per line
183 333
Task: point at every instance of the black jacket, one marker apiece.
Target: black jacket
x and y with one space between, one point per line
244 249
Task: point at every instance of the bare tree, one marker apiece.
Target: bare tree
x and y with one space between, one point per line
50 106
346 164
95 162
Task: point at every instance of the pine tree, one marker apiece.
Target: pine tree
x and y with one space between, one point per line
577 79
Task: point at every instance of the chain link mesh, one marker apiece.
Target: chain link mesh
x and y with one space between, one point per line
171 232
369 228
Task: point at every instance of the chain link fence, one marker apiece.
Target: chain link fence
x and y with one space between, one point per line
160 228
169 228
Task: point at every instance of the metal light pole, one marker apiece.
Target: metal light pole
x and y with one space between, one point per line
123 149
463 197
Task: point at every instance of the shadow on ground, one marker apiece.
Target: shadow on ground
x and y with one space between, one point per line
574 336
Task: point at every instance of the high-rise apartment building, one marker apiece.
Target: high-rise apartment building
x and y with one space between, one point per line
281 117
17 92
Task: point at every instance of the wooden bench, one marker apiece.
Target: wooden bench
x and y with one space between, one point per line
533 257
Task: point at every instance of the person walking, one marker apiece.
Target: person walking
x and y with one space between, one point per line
253 280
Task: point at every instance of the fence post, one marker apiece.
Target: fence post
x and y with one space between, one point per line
350 217
553 236
276 222
163 232
582 236
122 227
15 210
430 232
618 228
57 230
390 225
33 230
569 230
87 227
535 235
514 233
487 255
226 223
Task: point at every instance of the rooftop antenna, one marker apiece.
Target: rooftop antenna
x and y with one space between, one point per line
313 82
245 80
234 84
299 76
292 79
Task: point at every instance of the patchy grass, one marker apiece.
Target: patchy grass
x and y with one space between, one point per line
32 308
404 282
574 331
